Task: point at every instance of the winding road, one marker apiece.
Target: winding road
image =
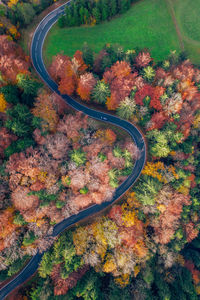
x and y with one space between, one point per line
37 60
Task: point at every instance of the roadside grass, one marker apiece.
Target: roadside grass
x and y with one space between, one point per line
187 14
148 24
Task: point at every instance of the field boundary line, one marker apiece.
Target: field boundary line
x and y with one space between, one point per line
180 37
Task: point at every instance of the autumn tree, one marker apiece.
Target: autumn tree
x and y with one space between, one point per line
6 139
58 66
7 226
169 218
85 86
3 103
143 59
121 82
44 109
12 59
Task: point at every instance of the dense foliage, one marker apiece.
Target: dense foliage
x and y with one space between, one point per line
54 162
18 14
92 12
160 214
153 280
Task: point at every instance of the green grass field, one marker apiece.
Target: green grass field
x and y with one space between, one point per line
187 14
148 24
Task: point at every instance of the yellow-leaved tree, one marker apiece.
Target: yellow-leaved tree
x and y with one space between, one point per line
3 103
43 108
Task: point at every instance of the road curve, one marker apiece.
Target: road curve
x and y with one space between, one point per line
37 60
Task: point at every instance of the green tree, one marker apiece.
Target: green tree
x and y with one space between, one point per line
88 55
126 108
81 14
130 57
17 265
45 198
2 10
113 52
62 22
182 287
29 239
28 84
25 13
84 190
60 204
78 156
146 189
101 92
64 252
149 73
96 14
42 290
4 275
44 4
117 152
195 243
18 146
166 64
88 288
128 159
147 101
192 254
113 7
106 62
148 275
46 265
114 292
158 143
102 156
86 16
113 174
127 155
173 57
76 15
1 76
67 15
104 10
19 120
19 219
123 6
11 93
119 52
187 147
163 289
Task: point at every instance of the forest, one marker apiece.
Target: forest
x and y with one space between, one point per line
159 217
55 162
92 12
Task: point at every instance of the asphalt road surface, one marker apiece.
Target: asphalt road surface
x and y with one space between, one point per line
37 60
